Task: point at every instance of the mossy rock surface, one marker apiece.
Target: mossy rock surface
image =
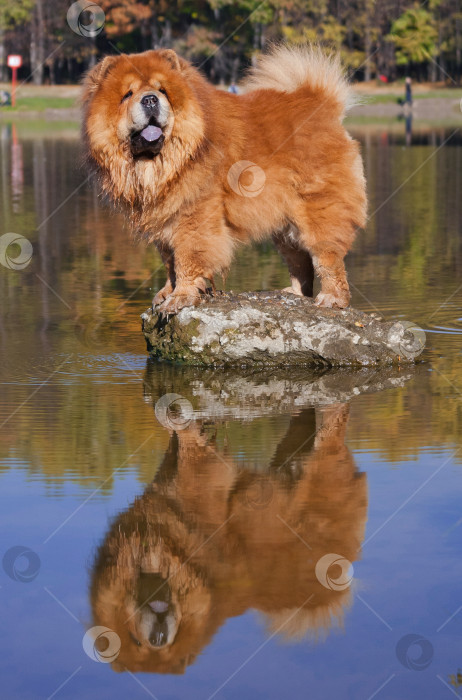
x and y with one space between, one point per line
275 329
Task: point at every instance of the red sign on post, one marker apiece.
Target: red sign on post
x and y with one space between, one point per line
14 62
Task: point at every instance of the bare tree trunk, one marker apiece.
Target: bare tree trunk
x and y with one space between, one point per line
350 37
145 28
37 43
458 49
263 37
440 56
218 72
52 71
3 76
370 22
94 53
166 38
367 49
256 37
234 69
154 33
443 70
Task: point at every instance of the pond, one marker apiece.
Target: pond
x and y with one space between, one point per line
294 535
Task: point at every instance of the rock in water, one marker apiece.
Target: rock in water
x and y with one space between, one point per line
182 394
277 329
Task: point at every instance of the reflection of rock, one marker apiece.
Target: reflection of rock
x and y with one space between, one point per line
268 329
246 395
213 537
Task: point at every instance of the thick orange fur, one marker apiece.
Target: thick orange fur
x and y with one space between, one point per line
275 161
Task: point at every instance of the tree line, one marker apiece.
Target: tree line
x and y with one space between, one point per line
384 39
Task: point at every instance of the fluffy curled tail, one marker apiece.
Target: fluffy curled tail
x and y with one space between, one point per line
288 69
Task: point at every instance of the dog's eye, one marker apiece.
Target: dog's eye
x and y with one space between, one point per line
134 639
127 95
163 91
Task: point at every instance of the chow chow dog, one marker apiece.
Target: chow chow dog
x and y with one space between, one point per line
212 537
200 171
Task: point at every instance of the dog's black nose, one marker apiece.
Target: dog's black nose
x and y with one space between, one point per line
149 101
159 634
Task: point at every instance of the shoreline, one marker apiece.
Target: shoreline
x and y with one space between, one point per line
60 103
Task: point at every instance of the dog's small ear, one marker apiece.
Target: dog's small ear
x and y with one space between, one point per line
95 76
171 57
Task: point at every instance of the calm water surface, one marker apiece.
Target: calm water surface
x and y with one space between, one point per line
296 535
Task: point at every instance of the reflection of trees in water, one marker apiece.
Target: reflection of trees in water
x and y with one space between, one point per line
212 537
85 431
85 254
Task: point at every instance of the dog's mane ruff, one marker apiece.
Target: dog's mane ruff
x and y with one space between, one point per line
287 69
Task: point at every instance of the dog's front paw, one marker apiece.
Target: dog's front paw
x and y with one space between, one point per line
179 299
162 294
332 301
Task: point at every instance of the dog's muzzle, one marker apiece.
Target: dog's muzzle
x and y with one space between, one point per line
150 105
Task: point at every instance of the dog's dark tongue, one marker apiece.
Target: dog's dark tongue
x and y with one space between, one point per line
151 133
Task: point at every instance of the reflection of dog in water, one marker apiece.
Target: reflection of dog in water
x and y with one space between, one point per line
210 539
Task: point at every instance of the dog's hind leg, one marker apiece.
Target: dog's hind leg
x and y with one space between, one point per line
327 232
298 261
329 266
328 219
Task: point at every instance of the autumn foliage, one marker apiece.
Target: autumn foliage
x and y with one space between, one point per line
375 37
